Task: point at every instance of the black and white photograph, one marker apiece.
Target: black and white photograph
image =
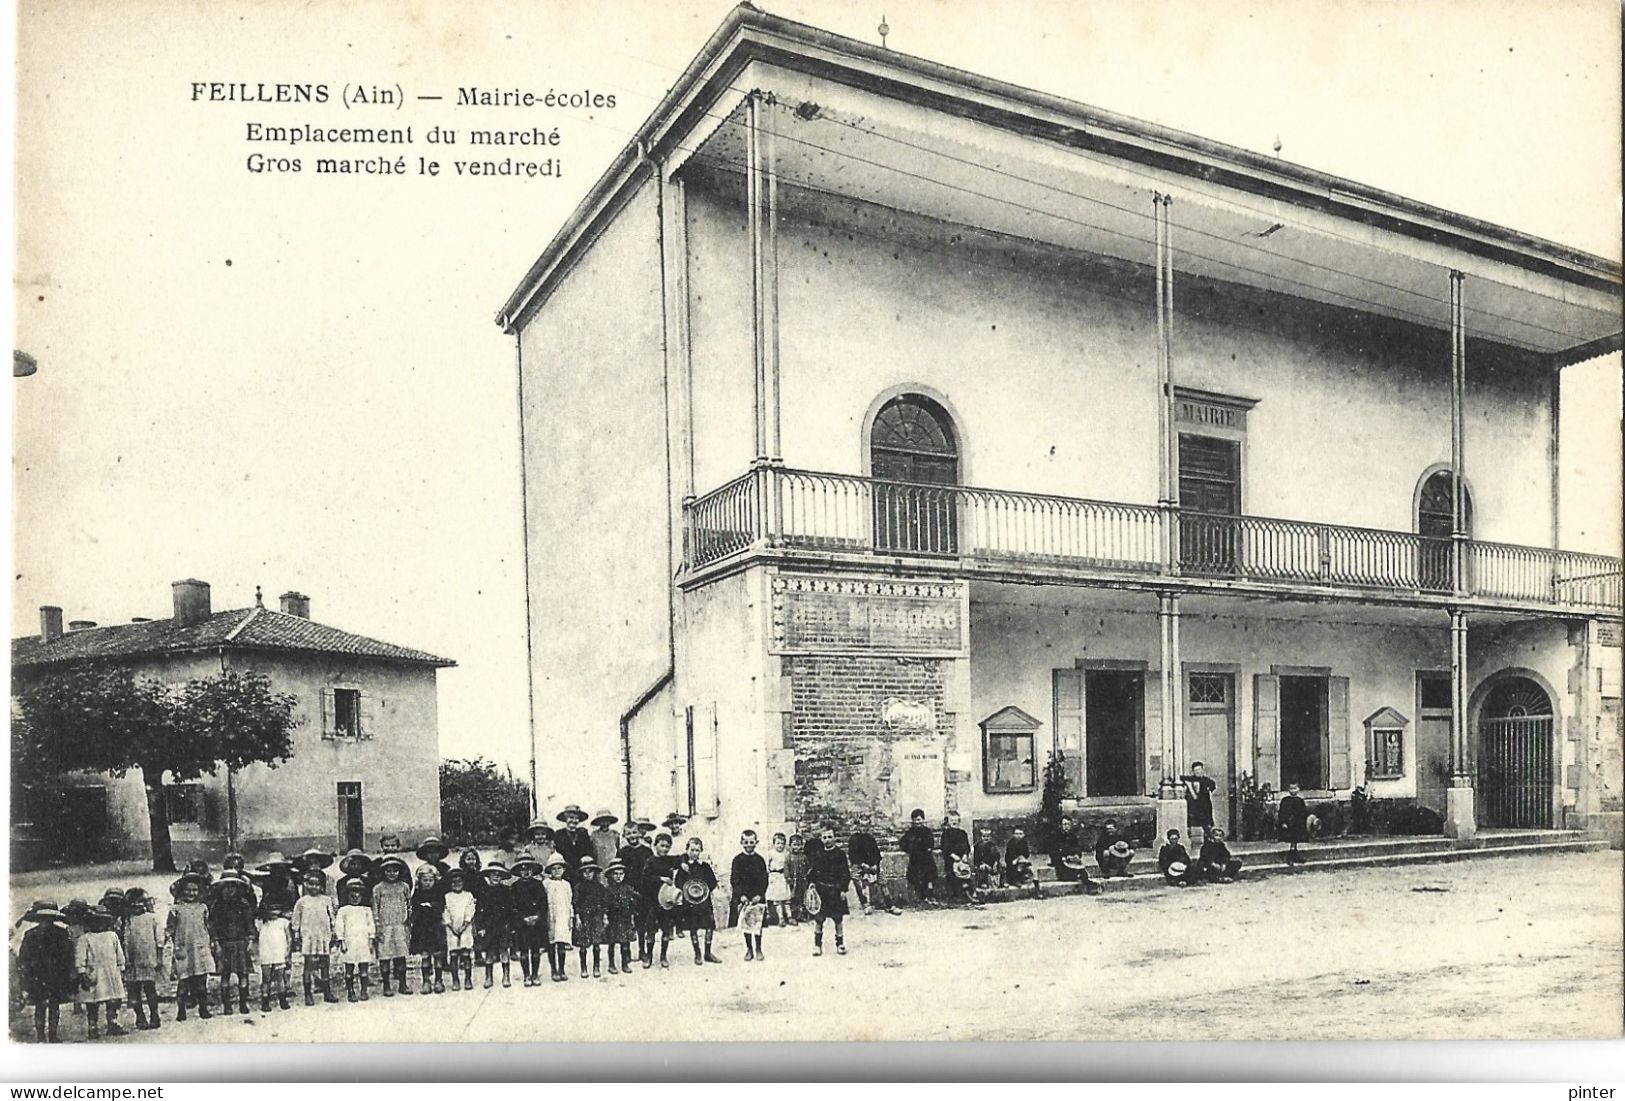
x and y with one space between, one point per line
815 521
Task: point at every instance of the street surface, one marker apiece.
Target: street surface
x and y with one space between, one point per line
1523 947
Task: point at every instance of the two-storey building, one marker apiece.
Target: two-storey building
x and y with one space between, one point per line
888 429
366 753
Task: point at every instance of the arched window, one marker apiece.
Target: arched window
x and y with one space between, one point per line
912 442
1516 773
1435 511
1435 521
1517 698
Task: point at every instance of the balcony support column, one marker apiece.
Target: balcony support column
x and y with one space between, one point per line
1461 821
1170 794
1167 439
763 200
1458 439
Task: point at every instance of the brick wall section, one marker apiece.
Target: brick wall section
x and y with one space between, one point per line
845 759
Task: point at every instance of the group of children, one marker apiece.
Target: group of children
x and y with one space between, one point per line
380 919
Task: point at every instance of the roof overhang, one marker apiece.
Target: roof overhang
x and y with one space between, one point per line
871 124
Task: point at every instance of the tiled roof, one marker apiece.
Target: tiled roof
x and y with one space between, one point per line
240 629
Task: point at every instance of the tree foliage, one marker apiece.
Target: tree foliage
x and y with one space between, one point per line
106 719
477 799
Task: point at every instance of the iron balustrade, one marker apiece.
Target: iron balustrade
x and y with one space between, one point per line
774 506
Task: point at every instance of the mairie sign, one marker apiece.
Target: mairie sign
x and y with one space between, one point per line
814 614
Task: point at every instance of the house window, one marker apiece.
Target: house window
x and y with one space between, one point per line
347 712
1303 732
1385 744
1210 689
914 459
185 802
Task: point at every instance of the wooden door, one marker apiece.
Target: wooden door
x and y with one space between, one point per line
1432 739
1209 504
1210 734
351 826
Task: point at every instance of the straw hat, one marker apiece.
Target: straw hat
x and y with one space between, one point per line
614 866
565 814
352 883
557 860
392 861
355 862
43 910
275 861
526 863
497 868
315 856
604 818
432 849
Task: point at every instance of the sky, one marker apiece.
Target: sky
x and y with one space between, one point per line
292 382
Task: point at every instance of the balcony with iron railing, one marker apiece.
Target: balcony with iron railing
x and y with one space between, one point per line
978 531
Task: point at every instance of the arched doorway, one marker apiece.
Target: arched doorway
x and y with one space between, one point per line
913 457
1435 519
1515 755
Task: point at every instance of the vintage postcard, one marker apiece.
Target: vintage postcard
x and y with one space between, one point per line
816 521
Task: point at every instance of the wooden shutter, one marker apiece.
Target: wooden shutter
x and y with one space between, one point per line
369 714
707 796
1069 733
1151 760
329 710
1337 732
1267 730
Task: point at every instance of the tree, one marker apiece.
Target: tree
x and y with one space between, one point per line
476 800
102 719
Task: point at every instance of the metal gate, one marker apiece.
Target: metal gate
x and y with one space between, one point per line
1515 771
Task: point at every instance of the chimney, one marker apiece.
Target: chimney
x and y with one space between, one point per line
296 604
191 602
81 624
50 623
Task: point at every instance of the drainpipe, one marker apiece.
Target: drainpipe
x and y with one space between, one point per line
524 523
669 674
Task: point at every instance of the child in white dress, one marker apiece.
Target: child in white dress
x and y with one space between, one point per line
459 919
276 955
560 916
778 881
98 963
354 929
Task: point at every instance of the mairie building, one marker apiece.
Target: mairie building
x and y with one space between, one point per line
890 432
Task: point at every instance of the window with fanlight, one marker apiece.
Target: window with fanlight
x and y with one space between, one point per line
914 462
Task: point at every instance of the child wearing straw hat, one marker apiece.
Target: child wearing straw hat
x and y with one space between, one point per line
560 915
231 927
572 842
428 929
529 918
316 860
538 845
98 964
45 961
391 914
458 915
356 934
187 940
312 923
591 916
493 918
606 841
620 911
357 865
143 956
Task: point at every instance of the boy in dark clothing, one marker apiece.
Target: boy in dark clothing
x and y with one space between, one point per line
1293 816
831 874
956 859
493 923
922 866
529 921
621 905
658 870
231 927
1113 852
1217 863
698 916
1175 862
1199 789
747 884
1018 858
863 853
45 963
989 868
